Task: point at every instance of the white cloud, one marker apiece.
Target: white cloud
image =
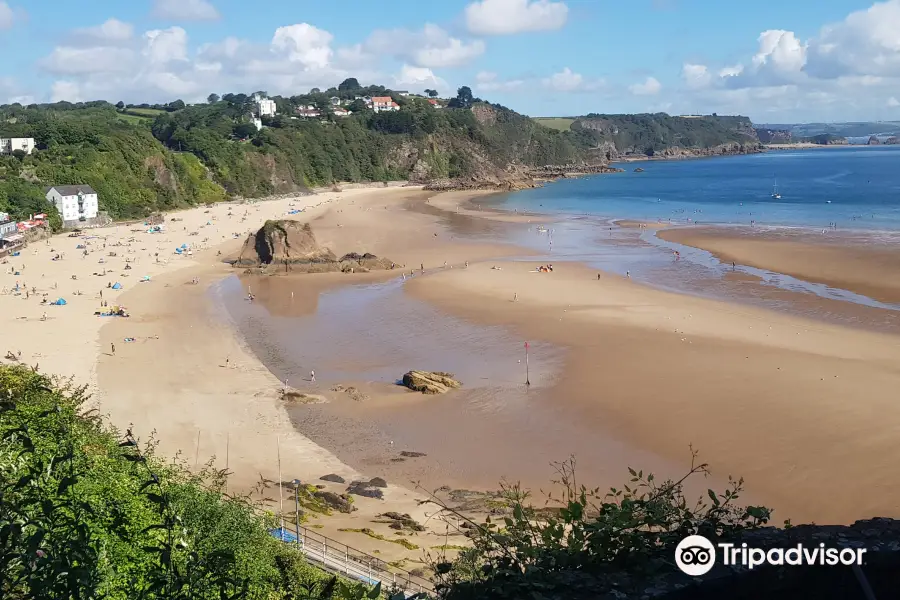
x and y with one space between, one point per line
185 10
781 51
111 31
893 102
730 71
487 81
504 17
650 87
419 78
66 90
696 76
866 42
160 65
165 45
431 47
305 44
569 81
6 16
67 60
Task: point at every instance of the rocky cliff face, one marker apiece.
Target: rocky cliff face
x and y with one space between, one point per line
893 140
774 136
873 141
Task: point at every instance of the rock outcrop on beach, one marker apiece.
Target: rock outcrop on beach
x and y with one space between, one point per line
430 382
292 245
873 141
892 141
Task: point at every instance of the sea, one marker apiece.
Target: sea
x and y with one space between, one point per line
854 187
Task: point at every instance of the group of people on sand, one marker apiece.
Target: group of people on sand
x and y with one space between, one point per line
545 269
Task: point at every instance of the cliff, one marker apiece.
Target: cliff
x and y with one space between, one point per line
893 140
826 139
774 136
659 134
873 141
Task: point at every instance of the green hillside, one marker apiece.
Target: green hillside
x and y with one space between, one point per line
654 133
160 157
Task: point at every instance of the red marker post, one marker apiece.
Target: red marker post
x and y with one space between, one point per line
527 379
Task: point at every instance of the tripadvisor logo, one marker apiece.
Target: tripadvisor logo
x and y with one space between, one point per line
695 555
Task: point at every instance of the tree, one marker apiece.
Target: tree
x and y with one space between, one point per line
177 105
464 98
315 91
244 130
357 106
261 94
212 98
349 84
431 93
120 105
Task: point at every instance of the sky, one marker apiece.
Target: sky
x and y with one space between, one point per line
777 61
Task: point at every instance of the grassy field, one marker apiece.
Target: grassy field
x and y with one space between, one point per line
133 119
144 112
558 123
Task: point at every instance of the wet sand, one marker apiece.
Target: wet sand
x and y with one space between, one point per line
632 376
794 406
838 260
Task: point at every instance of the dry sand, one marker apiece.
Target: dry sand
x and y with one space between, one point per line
173 379
833 259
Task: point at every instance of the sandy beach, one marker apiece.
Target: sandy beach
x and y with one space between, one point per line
835 259
625 375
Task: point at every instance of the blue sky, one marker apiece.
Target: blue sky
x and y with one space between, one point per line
776 61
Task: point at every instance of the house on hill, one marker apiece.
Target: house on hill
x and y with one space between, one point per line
78 205
384 103
10 145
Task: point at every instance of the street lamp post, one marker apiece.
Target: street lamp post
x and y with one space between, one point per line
527 378
296 483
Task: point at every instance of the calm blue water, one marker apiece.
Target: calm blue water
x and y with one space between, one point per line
861 183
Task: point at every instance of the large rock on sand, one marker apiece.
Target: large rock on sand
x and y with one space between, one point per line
292 245
283 242
430 382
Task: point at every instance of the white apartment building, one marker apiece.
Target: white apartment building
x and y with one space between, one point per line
265 107
74 202
10 145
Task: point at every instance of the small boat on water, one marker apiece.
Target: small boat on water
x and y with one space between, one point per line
541 229
775 193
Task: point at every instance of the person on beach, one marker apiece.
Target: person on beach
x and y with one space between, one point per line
628 274
516 297
312 376
113 348
598 276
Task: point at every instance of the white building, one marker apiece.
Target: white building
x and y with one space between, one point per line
9 145
341 112
265 107
74 202
384 103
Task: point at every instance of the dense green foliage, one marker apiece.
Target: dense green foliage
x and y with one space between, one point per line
595 545
147 158
91 144
651 133
85 515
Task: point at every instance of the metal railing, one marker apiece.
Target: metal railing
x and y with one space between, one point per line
339 558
